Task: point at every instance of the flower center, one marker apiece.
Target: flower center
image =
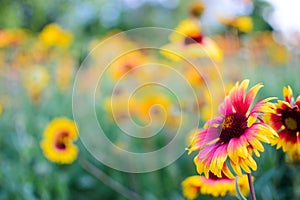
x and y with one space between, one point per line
291 120
193 40
61 140
290 123
233 126
214 177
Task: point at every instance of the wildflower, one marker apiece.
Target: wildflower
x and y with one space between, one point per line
12 37
54 35
232 138
293 156
197 9
242 23
285 119
193 77
57 143
217 187
188 41
125 63
156 107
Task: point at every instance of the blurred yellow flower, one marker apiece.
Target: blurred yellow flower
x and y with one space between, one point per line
193 77
35 80
293 156
12 37
57 143
190 28
196 9
188 42
217 187
242 23
54 35
154 106
125 63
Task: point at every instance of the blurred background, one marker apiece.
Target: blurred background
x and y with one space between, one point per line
43 44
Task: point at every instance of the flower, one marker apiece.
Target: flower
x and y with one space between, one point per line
154 108
188 41
57 143
191 187
54 35
127 64
196 9
242 23
285 119
194 185
293 156
228 141
11 38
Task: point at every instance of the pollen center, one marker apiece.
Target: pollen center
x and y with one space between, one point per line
228 122
291 120
234 126
290 123
61 140
192 40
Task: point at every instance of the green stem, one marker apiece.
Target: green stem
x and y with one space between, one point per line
252 192
100 175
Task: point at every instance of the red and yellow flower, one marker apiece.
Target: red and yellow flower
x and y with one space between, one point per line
229 141
217 187
188 41
57 143
285 119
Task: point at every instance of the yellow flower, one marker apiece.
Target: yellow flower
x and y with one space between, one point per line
126 64
191 187
197 9
217 187
188 27
35 80
285 119
194 77
188 41
57 143
242 23
54 35
12 37
293 156
154 107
